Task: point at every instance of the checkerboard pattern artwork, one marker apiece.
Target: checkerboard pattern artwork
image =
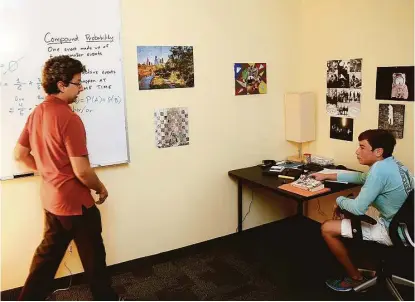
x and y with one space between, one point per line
172 127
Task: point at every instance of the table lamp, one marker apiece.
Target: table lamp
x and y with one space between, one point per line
300 119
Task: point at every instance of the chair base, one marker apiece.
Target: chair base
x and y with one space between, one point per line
389 281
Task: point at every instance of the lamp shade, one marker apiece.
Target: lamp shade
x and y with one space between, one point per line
300 117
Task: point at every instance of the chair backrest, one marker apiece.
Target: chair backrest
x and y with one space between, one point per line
404 215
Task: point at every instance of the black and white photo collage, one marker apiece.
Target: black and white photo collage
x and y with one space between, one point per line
344 89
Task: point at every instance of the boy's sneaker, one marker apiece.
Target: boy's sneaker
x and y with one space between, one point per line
346 284
369 274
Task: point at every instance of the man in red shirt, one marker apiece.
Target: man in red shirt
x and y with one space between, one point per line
53 142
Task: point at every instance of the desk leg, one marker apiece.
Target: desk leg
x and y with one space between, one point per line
300 208
239 206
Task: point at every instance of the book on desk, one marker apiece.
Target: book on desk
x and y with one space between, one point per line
305 193
305 186
300 181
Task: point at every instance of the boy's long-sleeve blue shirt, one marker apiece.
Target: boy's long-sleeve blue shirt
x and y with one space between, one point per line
385 186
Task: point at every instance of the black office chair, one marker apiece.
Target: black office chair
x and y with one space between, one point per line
401 232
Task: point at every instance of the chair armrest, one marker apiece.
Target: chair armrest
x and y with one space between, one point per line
364 218
407 240
356 222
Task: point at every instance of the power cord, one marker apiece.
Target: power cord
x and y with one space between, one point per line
319 208
249 208
351 195
70 277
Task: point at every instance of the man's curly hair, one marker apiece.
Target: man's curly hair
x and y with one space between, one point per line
59 68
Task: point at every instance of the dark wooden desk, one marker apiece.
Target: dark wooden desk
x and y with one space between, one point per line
253 176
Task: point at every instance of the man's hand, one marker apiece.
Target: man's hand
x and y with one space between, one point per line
103 194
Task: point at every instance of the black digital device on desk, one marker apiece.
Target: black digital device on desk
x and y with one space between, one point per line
296 173
289 173
313 167
267 163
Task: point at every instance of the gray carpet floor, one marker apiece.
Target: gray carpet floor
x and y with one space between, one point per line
286 260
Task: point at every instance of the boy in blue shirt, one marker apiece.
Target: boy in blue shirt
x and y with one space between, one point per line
385 187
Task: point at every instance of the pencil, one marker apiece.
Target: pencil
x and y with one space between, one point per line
286 177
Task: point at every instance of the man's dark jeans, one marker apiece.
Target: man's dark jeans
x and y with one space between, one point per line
85 230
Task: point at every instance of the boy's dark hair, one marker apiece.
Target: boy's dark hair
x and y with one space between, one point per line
59 68
379 138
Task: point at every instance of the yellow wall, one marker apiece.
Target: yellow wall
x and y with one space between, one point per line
381 32
170 198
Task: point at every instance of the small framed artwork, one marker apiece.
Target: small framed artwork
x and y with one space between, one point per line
392 118
395 83
341 128
171 127
250 78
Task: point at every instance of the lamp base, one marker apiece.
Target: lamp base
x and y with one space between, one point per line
296 158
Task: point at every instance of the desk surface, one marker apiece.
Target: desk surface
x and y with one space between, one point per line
253 175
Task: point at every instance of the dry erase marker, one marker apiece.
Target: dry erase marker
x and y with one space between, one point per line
286 177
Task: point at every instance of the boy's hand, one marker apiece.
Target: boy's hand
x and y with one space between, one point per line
337 213
319 176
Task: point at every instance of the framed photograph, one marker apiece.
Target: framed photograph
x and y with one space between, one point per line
165 67
395 83
341 128
392 118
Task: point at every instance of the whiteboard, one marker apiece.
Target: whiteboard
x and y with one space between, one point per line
88 30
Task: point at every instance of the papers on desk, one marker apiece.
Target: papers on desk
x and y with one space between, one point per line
335 171
280 166
308 183
276 169
338 181
287 164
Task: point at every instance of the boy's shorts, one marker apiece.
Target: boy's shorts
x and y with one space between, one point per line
378 232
